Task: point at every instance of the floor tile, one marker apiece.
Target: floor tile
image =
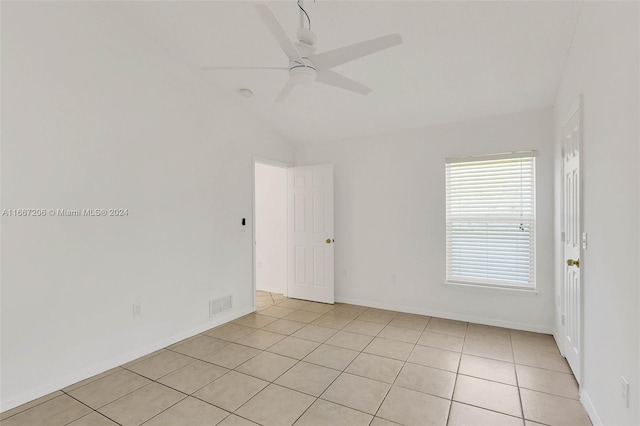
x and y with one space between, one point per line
57 411
553 382
231 355
200 346
276 406
433 357
303 316
401 334
277 311
261 339
103 391
30 404
357 392
234 420
84 382
254 320
230 391
321 308
189 412
315 333
525 345
441 341
364 327
93 419
294 347
408 407
377 317
538 340
427 380
466 415
488 334
308 378
192 377
332 321
327 413
414 323
331 356
377 421
541 359
267 366
375 367
294 304
283 326
389 348
488 350
489 369
446 326
553 410
141 405
486 394
349 340
351 312
160 365
230 332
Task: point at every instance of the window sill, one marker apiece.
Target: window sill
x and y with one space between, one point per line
490 289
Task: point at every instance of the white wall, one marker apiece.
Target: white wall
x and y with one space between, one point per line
94 116
603 65
271 228
390 218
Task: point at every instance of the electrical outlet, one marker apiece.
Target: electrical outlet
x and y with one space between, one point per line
137 309
625 391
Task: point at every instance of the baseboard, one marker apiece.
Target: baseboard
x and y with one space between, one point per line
449 315
101 367
590 408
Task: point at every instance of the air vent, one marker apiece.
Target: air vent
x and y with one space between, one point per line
219 305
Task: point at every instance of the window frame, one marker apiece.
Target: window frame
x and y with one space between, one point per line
513 285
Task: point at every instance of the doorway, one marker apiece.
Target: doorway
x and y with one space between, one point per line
270 238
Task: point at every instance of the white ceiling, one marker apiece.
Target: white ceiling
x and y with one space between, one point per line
459 60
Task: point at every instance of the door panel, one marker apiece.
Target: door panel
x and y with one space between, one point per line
310 236
572 288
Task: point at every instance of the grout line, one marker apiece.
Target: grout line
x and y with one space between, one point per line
365 312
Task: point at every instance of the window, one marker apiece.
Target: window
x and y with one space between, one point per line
491 220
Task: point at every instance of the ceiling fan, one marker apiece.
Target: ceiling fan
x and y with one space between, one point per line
305 66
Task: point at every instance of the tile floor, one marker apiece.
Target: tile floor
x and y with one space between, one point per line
305 363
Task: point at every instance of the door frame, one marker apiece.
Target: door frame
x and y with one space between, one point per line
269 162
576 108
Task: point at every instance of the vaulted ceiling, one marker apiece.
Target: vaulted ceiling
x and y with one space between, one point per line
459 60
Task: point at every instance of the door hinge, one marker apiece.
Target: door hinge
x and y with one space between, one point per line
562 236
562 319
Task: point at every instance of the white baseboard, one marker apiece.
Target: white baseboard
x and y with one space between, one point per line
449 315
590 408
86 372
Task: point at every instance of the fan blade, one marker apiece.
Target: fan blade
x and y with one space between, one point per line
336 57
334 79
278 33
285 91
243 68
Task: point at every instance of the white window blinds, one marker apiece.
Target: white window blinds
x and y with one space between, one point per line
491 220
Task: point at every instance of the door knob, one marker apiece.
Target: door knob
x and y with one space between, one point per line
328 240
571 262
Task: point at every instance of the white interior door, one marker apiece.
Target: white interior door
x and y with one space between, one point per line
572 289
310 233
